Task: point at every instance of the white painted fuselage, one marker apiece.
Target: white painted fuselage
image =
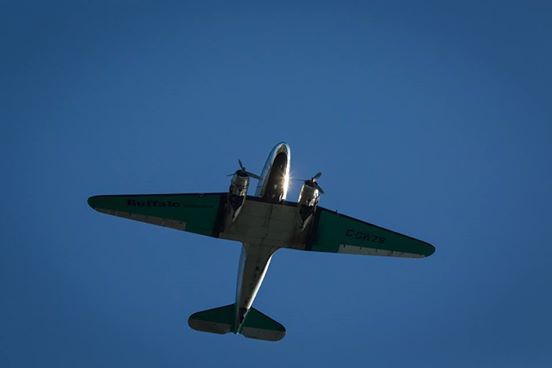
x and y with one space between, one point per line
258 245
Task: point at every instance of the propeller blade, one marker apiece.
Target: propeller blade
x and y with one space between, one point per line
318 187
254 176
314 178
313 182
244 171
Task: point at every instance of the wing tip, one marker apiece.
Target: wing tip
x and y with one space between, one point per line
430 250
93 202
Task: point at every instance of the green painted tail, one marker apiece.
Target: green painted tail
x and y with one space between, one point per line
218 320
222 320
260 326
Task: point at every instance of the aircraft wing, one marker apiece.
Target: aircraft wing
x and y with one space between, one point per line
197 213
339 233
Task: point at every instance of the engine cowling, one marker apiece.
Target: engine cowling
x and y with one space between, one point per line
306 204
237 193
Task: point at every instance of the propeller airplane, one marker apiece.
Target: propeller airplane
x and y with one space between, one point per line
263 223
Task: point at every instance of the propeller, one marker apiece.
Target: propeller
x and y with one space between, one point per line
243 172
313 182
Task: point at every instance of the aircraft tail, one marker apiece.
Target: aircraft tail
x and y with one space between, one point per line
260 326
217 320
222 320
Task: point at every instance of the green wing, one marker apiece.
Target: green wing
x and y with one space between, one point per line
197 213
338 233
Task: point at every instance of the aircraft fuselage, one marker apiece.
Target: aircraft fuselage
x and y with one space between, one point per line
263 223
255 256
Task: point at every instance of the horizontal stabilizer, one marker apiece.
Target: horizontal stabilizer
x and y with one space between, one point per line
218 320
221 320
259 326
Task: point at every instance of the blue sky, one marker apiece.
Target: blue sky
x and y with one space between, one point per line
431 119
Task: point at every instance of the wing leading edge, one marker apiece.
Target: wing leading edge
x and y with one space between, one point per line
196 213
337 233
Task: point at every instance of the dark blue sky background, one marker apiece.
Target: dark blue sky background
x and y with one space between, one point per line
431 119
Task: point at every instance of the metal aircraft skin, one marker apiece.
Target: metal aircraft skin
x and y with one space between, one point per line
263 223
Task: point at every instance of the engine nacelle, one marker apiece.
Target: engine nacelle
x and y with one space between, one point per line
306 204
237 193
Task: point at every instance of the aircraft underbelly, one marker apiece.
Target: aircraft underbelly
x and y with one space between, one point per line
267 225
263 228
253 266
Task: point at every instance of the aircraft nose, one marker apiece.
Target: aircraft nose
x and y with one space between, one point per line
281 147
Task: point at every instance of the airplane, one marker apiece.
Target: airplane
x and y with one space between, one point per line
263 223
